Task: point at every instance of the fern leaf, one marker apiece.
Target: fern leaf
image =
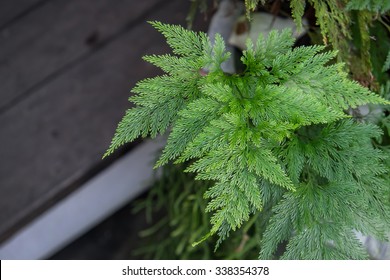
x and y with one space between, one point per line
193 119
219 54
324 210
151 116
376 6
183 42
297 10
317 222
251 6
386 65
279 228
177 66
264 164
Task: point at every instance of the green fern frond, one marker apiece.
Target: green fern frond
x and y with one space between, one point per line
251 5
182 41
325 209
297 11
317 223
248 132
386 65
193 119
177 66
376 6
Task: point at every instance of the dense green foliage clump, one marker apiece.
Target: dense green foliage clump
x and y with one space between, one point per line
275 136
357 29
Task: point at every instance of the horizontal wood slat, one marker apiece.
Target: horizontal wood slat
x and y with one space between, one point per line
46 41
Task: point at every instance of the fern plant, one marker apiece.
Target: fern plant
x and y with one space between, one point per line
275 135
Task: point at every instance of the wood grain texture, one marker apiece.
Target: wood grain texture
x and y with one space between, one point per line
51 138
11 10
55 36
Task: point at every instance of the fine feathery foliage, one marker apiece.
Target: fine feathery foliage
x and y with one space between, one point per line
376 6
346 195
351 27
386 66
332 18
298 9
251 5
280 124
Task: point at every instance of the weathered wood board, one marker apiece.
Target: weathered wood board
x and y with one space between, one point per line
56 36
12 10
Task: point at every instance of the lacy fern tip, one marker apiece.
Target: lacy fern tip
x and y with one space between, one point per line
235 127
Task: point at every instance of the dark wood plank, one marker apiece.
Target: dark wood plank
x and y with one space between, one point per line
56 35
13 9
53 137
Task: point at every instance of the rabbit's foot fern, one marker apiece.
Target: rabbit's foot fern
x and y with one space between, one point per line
241 130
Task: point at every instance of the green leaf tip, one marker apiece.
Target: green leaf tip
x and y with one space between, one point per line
203 239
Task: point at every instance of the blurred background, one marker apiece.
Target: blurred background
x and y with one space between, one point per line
66 70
